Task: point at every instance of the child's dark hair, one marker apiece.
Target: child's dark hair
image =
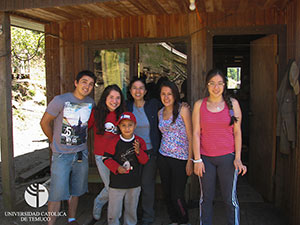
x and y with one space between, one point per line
226 97
86 73
132 81
101 111
176 97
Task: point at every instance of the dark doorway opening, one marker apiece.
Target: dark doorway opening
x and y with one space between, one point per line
233 52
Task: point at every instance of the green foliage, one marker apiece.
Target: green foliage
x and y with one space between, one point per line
28 49
31 92
232 73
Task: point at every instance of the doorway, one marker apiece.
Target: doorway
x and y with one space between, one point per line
249 61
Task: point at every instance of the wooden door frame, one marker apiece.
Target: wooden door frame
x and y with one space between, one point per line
279 30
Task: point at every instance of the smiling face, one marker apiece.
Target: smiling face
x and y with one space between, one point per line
138 90
166 96
216 86
113 100
127 128
83 87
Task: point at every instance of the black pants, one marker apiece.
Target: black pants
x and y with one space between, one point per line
148 190
220 167
173 179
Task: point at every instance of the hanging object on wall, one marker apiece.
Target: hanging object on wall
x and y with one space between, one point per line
294 77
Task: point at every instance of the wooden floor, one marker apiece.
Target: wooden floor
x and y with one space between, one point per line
252 213
253 210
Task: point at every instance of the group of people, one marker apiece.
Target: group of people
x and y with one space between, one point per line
135 137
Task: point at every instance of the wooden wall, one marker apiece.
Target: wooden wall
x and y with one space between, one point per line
294 160
65 41
65 57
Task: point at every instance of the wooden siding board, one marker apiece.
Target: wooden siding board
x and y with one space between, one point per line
6 127
269 17
125 26
117 28
133 26
259 17
84 37
56 60
48 56
77 48
19 3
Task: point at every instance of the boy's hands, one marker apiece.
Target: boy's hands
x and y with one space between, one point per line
136 146
122 169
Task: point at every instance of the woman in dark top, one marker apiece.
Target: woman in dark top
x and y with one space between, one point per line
145 112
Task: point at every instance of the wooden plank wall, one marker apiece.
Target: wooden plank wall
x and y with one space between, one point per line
72 35
6 126
65 56
295 196
290 199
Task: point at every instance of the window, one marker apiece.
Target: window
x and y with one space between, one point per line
164 60
234 77
111 66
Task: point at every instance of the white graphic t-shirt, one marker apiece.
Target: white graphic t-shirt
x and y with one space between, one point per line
70 124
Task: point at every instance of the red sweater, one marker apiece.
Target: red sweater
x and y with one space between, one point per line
102 141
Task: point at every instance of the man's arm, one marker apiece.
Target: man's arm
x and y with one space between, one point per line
47 126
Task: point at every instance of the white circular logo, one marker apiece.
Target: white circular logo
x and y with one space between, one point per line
36 195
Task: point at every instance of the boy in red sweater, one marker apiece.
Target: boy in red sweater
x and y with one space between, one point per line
124 158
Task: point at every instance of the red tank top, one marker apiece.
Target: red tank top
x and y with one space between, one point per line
216 136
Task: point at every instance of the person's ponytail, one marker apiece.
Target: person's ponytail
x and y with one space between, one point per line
228 102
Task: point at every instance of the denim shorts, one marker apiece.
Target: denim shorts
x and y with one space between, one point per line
68 176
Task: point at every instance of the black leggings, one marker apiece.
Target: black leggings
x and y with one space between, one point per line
173 179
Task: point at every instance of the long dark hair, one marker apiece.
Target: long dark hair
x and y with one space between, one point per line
133 80
210 75
176 97
101 110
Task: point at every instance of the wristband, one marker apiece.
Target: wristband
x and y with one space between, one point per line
197 161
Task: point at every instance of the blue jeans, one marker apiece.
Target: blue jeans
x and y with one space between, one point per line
68 176
130 197
102 197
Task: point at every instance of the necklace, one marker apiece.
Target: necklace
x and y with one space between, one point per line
217 105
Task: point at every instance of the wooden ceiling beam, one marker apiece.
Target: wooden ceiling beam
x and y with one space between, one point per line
9 5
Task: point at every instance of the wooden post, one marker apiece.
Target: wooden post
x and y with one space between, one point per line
6 137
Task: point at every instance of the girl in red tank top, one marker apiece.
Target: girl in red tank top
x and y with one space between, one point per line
217 143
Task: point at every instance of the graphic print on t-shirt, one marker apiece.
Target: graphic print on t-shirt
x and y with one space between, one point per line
127 157
110 127
74 124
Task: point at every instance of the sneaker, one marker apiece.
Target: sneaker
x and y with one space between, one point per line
97 212
73 223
